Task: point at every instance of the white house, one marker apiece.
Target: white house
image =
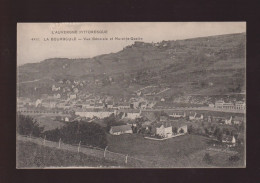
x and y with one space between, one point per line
73 96
233 140
122 129
178 114
139 93
54 88
240 105
229 140
228 121
211 105
182 127
219 104
164 131
75 90
238 120
109 105
57 95
131 115
196 116
38 102
48 103
135 105
123 106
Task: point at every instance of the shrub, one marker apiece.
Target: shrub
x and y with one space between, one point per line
233 158
181 131
75 132
190 129
26 125
111 121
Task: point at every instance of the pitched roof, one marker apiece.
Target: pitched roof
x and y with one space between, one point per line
121 128
165 124
146 123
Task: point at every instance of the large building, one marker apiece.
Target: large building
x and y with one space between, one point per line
122 129
239 105
164 131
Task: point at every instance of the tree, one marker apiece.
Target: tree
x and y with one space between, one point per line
26 125
206 131
111 121
134 128
164 114
53 135
181 131
157 115
190 129
75 132
174 130
227 132
218 134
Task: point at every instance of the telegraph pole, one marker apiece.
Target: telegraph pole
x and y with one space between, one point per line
105 151
126 159
79 146
59 142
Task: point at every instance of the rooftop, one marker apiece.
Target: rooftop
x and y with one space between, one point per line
121 128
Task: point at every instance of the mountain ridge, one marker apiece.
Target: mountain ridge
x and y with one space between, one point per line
201 60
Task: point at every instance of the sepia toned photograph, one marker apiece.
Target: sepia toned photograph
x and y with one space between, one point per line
131 95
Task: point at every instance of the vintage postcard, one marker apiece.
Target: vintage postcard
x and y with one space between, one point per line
131 95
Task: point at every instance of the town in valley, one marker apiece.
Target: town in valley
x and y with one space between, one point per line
174 103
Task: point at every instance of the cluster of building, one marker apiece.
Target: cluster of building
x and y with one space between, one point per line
236 120
238 105
149 124
155 129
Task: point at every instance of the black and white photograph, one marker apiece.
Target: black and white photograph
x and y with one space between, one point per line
106 95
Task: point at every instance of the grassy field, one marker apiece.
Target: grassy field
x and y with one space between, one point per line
175 152
182 151
31 155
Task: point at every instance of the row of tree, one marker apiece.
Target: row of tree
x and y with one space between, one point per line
72 133
212 130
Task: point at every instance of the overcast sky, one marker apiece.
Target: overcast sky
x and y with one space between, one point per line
29 51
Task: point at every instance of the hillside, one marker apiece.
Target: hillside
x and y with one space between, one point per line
206 65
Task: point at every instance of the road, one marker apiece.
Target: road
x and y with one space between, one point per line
198 108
